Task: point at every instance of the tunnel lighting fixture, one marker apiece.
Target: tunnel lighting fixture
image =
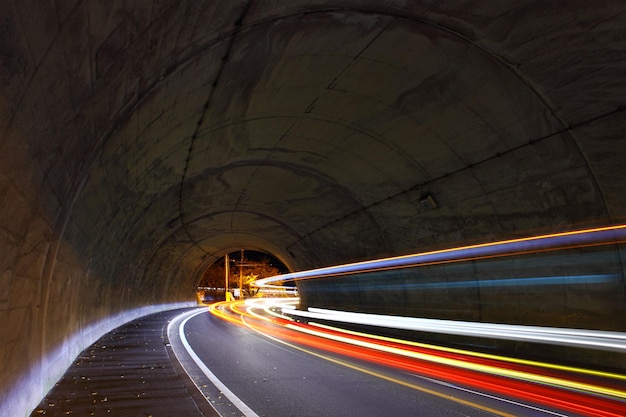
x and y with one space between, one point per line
428 202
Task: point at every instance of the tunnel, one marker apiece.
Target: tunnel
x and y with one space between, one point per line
142 141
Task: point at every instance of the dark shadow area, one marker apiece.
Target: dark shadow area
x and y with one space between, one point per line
130 371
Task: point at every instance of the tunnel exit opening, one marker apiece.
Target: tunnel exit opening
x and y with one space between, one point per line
231 277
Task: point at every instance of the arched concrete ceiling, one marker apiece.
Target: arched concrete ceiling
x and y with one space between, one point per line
316 128
143 140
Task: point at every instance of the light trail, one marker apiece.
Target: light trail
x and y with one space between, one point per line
268 309
480 355
536 244
526 383
605 340
569 389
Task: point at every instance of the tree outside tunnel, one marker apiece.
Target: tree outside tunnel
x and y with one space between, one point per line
244 268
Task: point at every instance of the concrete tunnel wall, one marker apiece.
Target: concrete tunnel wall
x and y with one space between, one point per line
139 143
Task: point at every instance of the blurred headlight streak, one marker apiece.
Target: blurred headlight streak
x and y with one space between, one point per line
536 384
597 339
525 262
551 242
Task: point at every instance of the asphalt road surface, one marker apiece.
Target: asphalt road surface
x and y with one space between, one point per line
271 378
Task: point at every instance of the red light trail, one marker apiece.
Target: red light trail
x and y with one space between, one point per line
567 389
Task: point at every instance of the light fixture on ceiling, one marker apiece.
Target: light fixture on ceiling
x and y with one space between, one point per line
428 202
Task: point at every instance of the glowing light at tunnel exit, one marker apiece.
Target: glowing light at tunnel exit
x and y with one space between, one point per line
550 242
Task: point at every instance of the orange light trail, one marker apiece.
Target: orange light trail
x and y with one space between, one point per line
584 392
550 242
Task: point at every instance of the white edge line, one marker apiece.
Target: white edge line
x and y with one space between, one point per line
237 402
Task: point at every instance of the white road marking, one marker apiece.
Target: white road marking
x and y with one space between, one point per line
237 402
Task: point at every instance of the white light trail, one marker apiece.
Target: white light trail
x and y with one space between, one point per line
588 237
605 340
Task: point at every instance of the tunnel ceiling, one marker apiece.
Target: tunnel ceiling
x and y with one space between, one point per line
154 137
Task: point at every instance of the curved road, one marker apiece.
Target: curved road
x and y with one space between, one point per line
269 377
